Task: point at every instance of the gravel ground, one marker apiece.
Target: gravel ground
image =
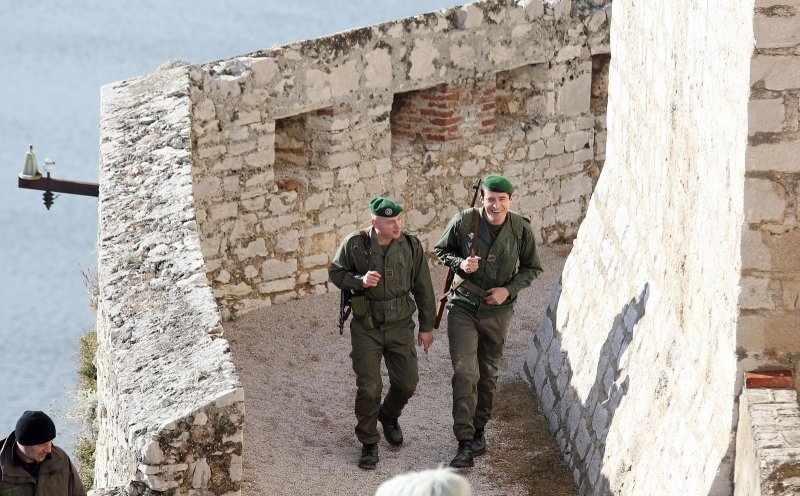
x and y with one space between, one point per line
300 388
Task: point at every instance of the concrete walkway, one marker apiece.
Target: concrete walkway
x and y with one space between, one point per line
300 388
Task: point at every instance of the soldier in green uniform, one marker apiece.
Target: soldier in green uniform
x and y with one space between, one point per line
483 247
382 265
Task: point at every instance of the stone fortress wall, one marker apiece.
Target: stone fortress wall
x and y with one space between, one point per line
635 363
289 144
235 181
226 187
170 407
770 298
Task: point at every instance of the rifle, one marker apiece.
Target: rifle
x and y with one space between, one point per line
448 279
344 308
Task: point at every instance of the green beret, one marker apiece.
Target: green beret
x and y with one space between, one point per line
384 207
498 184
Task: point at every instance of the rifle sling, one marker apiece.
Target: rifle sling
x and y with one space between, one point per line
366 240
476 216
464 282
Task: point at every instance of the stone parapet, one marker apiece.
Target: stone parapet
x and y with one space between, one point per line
170 408
769 328
768 443
290 143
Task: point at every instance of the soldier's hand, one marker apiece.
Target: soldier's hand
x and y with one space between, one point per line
496 296
469 264
370 279
425 339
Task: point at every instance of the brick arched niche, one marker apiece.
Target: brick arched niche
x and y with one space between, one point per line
446 112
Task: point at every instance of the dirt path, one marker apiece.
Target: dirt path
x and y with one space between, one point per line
300 388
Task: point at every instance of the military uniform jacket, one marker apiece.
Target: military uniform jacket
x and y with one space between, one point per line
403 270
498 264
57 476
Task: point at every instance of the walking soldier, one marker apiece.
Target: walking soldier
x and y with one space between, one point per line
381 266
483 246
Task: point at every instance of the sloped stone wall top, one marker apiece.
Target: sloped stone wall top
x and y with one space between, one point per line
162 360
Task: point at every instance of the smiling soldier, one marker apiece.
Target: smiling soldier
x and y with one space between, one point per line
481 303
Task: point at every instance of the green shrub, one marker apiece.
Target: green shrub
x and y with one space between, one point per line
86 403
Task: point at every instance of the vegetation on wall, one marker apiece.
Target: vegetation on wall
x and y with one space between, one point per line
86 394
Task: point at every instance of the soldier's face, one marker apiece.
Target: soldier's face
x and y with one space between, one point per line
388 228
36 452
496 206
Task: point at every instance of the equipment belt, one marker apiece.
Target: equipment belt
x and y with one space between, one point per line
387 304
474 288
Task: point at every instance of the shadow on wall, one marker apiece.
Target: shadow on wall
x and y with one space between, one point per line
582 427
615 346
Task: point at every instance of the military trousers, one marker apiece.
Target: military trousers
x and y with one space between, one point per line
394 343
476 349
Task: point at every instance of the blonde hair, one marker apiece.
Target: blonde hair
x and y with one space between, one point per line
436 482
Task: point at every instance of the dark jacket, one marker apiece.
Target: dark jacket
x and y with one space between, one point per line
57 475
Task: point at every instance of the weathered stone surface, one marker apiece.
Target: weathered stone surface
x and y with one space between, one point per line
756 294
755 253
421 59
289 148
764 200
378 68
607 333
575 95
776 31
776 72
153 315
469 17
766 115
773 157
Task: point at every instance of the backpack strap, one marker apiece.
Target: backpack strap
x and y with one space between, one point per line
518 229
367 242
476 221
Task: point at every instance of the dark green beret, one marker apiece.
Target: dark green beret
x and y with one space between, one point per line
384 207
498 184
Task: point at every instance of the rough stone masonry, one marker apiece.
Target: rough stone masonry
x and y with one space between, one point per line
225 187
635 363
289 144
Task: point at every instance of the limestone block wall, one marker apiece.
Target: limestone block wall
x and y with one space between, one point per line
170 407
769 327
768 443
289 144
635 361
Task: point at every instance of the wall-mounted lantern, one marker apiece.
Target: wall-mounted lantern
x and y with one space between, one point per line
31 178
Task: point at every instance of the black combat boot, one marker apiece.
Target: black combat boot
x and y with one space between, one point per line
391 429
478 447
464 457
369 456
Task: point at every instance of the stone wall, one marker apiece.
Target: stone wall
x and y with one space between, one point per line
634 362
769 328
170 408
768 443
289 144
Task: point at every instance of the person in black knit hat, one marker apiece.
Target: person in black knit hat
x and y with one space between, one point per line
31 465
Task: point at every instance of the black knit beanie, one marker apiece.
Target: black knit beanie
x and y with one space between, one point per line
34 428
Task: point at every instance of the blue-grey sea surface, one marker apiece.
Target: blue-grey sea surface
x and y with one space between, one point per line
56 54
